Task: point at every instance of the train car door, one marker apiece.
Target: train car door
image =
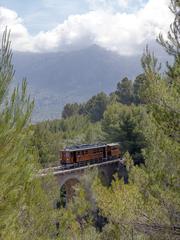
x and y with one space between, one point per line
104 152
74 157
109 152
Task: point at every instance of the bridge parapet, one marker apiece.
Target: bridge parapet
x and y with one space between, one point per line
60 170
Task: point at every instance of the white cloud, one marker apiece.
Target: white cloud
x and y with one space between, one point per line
121 32
21 40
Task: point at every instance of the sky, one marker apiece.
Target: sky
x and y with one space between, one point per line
124 26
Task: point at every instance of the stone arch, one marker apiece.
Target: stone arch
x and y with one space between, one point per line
67 189
65 178
104 177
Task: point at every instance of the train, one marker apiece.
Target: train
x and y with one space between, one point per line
89 153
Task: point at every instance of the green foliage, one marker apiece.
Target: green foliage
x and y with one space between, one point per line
172 45
125 91
70 110
51 136
93 108
122 123
120 204
138 89
96 106
25 209
6 67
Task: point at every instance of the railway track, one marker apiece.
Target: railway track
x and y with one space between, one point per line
78 166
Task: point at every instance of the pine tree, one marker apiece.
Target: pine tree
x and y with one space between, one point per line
125 91
172 44
138 89
25 209
121 123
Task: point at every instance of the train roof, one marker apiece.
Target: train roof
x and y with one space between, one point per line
88 146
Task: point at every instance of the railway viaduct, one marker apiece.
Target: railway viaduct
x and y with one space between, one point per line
68 178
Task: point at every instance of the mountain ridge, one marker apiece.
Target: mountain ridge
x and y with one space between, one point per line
57 78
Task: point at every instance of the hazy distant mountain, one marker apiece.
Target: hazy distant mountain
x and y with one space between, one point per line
57 78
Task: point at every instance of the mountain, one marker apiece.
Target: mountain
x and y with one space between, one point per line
57 78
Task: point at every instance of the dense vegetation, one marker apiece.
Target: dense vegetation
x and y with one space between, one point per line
113 118
51 136
142 115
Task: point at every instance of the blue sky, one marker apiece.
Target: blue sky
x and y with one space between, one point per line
43 15
124 26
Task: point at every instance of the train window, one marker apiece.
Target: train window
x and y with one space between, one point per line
114 148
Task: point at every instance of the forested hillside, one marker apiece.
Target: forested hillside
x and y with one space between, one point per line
142 115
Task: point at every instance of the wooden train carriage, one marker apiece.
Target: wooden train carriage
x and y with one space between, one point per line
81 153
113 150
